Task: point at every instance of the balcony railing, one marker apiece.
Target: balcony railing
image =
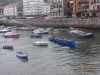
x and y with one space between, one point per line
83 2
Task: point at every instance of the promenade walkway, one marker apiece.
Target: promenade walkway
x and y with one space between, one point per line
19 22
80 23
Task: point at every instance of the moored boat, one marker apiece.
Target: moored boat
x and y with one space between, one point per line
26 29
40 43
36 36
66 30
7 47
4 30
41 31
22 54
85 35
9 28
63 41
11 35
44 32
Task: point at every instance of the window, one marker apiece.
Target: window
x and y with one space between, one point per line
98 7
98 1
93 1
94 7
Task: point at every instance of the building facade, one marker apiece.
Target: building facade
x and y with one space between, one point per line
79 8
59 8
13 11
32 8
1 12
95 7
46 9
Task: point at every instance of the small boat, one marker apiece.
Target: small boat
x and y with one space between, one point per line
9 28
41 31
4 30
40 43
85 35
74 31
63 41
26 29
36 36
66 30
48 28
11 35
7 47
22 54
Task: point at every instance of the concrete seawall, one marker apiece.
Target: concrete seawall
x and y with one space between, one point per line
79 23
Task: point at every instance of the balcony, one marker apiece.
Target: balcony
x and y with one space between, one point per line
93 2
81 2
87 2
81 10
83 6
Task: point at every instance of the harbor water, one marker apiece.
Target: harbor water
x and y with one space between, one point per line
53 59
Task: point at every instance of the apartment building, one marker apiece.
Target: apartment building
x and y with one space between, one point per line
85 8
46 9
95 7
13 10
79 8
1 12
32 8
59 8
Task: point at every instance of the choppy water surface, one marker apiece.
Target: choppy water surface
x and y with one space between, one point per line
51 60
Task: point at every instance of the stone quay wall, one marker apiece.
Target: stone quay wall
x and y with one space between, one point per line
78 23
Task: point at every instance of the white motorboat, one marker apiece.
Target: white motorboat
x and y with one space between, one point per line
4 30
40 43
74 31
40 31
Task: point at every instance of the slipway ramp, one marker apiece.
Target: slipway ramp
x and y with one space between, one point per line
14 21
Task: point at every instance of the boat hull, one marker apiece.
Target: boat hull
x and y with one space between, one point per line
22 54
43 33
63 41
36 36
12 36
1 31
84 35
7 47
40 44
